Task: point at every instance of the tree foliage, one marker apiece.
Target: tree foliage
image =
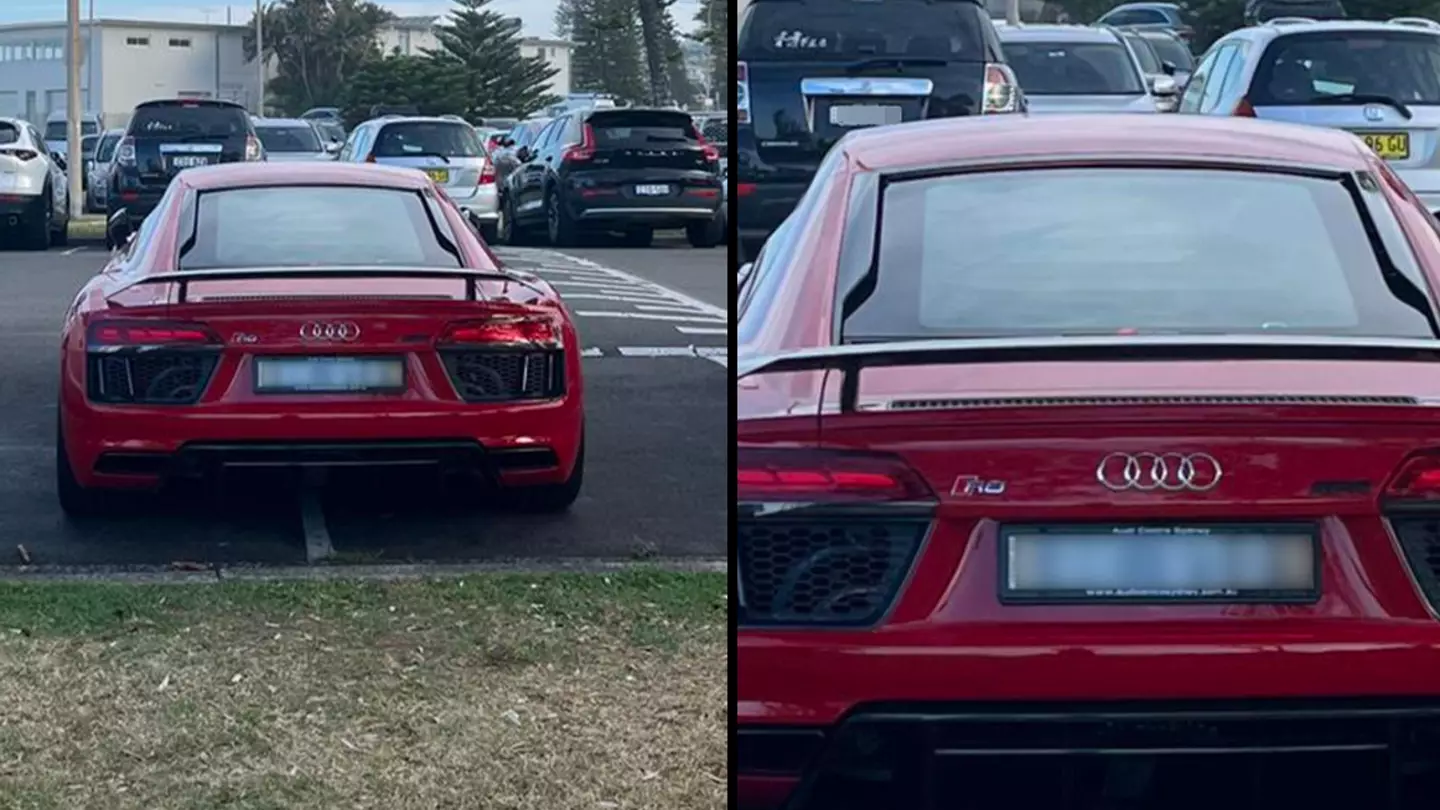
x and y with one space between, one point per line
318 46
398 80
605 50
714 31
482 68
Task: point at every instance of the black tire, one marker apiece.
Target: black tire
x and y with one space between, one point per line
35 229
559 226
507 230
60 237
552 498
706 234
76 500
639 237
488 232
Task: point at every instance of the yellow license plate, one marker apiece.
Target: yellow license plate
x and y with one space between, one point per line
443 175
1389 145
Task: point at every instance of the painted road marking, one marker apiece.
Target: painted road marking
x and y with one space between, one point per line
645 316
703 330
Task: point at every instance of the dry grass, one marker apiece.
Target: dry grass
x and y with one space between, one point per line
554 692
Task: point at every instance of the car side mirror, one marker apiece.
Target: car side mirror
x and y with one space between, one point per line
1165 87
1169 68
119 229
506 143
333 147
524 155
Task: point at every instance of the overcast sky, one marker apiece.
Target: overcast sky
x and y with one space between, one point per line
538 15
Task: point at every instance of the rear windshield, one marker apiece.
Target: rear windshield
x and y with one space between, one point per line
289 139
9 133
311 226
1143 54
1172 50
1301 68
1073 68
57 131
854 30
188 121
641 128
1108 250
106 150
525 133
420 138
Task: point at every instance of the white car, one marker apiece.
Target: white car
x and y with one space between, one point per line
34 192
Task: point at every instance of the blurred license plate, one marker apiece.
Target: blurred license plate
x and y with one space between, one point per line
188 161
328 375
1211 562
439 175
1389 145
652 190
865 115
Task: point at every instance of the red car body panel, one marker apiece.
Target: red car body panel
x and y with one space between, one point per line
396 315
947 636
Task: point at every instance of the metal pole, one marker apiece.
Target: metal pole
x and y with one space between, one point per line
1012 12
74 162
260 53
90 63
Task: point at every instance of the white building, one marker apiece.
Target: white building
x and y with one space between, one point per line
123 62
413 36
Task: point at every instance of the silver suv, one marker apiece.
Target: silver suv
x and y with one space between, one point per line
1379 80
447 150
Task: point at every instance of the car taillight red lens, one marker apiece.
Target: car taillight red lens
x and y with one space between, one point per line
1417 480
772 474
537 331
487 174
585 150
141 333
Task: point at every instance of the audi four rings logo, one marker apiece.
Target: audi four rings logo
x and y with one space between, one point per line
316 330
1168 472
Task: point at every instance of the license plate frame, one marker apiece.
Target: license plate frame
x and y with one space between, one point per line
652 190
394 363
1380 142
1302 534
441 176
861 116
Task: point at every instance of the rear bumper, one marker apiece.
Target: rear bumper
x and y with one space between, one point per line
808 686
143 446
615 204
481 206
19 205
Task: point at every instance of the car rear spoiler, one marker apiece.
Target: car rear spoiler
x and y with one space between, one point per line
850 358
183 278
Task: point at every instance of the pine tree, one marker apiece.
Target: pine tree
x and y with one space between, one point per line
480 55
652 35
714 31
605 47
682 89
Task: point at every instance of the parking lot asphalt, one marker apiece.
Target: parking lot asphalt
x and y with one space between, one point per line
653 328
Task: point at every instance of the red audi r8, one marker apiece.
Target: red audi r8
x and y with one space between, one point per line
314 315
1091 462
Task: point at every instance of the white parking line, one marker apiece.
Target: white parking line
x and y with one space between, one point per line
703 330
645 316
673 307
624 299
72 251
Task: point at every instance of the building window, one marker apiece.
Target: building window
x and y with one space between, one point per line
179 43
139 42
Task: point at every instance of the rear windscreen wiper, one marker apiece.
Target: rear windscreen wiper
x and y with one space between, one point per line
1366 98
897 61
420 154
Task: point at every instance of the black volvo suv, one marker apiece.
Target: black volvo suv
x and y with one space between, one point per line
811 70
167 136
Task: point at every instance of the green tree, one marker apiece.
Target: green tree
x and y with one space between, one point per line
317 47
605 49
399 80
479 56
652 36
714 32
682 89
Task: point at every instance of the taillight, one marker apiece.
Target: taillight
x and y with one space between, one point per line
1417 480
742 93
504 330
583 151
125 152
712 155
744 189
791 476
487 174
1244 109
23 155
1001 93
149 333
252 148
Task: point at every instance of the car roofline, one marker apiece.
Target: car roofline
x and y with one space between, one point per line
1118 160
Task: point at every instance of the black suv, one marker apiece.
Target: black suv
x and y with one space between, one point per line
626 169
167 136
812 70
